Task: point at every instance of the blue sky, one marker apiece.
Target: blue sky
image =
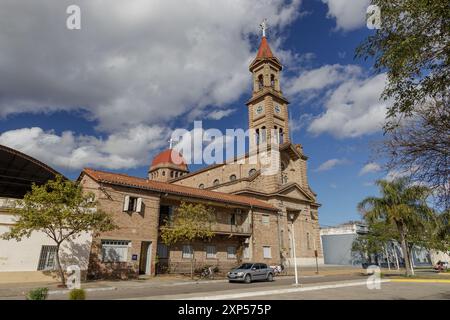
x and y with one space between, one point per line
107 96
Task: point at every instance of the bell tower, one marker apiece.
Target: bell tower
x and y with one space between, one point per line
267 108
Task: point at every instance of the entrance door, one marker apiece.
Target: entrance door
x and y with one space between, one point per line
145 265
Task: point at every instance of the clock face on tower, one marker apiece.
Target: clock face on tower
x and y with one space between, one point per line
277 109
259 109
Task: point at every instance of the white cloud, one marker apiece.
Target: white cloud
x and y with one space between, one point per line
137 64
349 14
132 63
219 114
330 164
353 108
369 168
351 99
396 174
69 151
321 78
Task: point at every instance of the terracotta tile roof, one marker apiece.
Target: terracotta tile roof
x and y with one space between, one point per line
264 50
169 156
158 186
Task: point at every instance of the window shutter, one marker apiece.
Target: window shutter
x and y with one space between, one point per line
139 205
126 203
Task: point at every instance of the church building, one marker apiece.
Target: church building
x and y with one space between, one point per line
260 217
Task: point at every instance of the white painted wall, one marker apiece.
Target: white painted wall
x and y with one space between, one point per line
305 262
439 255
24 255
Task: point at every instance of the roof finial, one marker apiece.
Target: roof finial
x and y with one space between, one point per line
263 27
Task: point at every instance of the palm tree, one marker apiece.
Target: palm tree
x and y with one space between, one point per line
402 205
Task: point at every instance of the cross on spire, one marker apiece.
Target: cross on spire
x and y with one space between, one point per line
263 27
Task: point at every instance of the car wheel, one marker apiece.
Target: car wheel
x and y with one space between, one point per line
247 278
270 277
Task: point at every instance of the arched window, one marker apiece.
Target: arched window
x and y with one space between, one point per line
260 82
272 81
163 173
216 182
257 136
251 172
276 137
201 186
232 177
171 174
263 135
281 136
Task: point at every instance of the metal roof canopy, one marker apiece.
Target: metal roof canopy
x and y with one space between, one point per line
18 171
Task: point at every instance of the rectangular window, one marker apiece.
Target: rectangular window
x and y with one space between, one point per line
233 219
210 252
132 204
188 252
266 219
231 252
165 214
267 252
115 250
162 251
47 259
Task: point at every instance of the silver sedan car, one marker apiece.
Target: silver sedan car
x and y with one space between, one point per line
248 272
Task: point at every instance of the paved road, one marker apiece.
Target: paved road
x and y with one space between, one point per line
204 289
388 291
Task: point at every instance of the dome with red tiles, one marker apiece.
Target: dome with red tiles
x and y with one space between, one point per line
169 158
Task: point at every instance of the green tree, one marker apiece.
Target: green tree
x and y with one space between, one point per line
412 46
61 210
404 206
189 222
375 240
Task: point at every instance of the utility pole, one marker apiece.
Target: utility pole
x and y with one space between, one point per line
292 216
316 254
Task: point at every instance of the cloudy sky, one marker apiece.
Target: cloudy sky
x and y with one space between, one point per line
109 95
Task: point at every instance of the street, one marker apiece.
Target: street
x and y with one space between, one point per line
321 287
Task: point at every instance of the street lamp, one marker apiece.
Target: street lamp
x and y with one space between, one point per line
292 217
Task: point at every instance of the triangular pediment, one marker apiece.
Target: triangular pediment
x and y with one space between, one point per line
295 191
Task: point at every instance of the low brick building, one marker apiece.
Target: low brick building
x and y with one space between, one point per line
139 207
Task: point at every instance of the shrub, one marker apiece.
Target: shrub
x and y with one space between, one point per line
37 294
77 294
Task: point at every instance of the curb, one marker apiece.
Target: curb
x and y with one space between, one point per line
421 280
87 290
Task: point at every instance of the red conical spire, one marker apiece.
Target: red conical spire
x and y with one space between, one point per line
264 50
